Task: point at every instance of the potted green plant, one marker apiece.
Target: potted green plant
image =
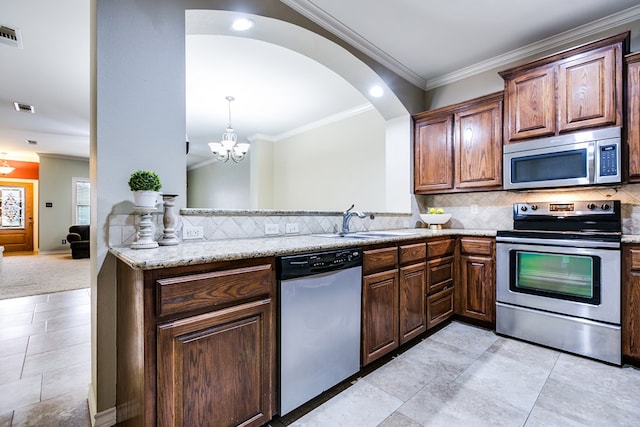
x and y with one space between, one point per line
145 186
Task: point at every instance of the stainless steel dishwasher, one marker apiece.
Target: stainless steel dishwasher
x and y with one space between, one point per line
319 323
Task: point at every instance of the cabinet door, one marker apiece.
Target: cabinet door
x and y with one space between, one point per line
531 104
478 146
477 287
412 309
587 90
217 369
433 154
379 315
631 299
633 115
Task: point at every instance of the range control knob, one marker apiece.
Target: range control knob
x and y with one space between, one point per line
591 206
534 207
605 206
523 208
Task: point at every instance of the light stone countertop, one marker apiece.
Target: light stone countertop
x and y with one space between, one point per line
201 252
631 238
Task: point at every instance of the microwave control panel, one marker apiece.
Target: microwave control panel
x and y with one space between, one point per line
608 160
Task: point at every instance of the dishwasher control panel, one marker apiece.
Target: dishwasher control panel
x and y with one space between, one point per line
293 266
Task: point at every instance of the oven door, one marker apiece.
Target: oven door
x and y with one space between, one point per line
575 281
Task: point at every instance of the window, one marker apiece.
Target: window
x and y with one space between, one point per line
81 196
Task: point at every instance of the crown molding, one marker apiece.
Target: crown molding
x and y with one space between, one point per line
310 126
617 19
329 23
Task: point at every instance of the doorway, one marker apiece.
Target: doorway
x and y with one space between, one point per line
16 216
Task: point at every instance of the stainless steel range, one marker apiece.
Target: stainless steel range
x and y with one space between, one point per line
558 277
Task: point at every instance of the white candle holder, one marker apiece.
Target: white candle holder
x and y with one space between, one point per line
146 229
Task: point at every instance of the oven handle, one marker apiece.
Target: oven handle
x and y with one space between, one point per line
558 242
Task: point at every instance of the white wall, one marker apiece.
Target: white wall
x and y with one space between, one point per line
138 122
220 185
56 174
331 167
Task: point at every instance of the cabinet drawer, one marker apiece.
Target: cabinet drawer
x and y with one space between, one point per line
476 246
440 274
439 248
413 253
197 291
439 307
380 260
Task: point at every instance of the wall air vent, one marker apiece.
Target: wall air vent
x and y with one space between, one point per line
10 36
25 108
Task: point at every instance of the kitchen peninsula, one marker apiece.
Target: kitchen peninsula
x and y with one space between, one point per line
218 298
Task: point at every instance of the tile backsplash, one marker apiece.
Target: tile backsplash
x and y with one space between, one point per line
494 209
224 224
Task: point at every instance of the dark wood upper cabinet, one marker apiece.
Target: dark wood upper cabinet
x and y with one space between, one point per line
633 115
459 147
433 154
575 89
478 145
530 109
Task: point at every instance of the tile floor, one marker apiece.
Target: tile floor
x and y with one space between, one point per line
45 360
467 376
460 376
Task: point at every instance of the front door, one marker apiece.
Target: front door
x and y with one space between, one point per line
16 216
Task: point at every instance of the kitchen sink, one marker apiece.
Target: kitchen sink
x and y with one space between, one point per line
366 234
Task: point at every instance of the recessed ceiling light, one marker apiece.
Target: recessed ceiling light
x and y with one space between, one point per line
25 108
242 24
376 91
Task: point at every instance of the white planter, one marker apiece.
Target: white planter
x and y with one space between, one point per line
145 199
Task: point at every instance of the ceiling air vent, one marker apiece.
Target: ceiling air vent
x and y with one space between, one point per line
10 36
25 108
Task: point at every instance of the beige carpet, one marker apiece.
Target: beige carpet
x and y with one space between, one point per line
24 275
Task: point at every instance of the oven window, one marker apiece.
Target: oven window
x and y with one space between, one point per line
570 277
552 166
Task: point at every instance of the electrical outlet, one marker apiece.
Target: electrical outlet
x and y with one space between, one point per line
270 229
192 233
474 208
64 241
291 228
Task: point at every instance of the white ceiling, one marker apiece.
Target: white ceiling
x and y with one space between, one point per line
427 42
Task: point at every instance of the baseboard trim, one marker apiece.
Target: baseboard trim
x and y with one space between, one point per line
106 418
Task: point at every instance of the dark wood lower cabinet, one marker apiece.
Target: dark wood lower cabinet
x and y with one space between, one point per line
380 313
441 277
221 362
412 310
631 302
476 287
196 345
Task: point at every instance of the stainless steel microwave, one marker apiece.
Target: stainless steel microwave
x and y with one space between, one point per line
583 158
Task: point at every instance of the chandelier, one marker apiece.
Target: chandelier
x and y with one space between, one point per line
5 169
229 148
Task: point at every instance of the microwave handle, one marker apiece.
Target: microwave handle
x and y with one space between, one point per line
591 162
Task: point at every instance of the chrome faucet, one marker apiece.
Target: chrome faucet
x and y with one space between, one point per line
346 217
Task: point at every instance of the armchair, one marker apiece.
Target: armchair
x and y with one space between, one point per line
78 239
